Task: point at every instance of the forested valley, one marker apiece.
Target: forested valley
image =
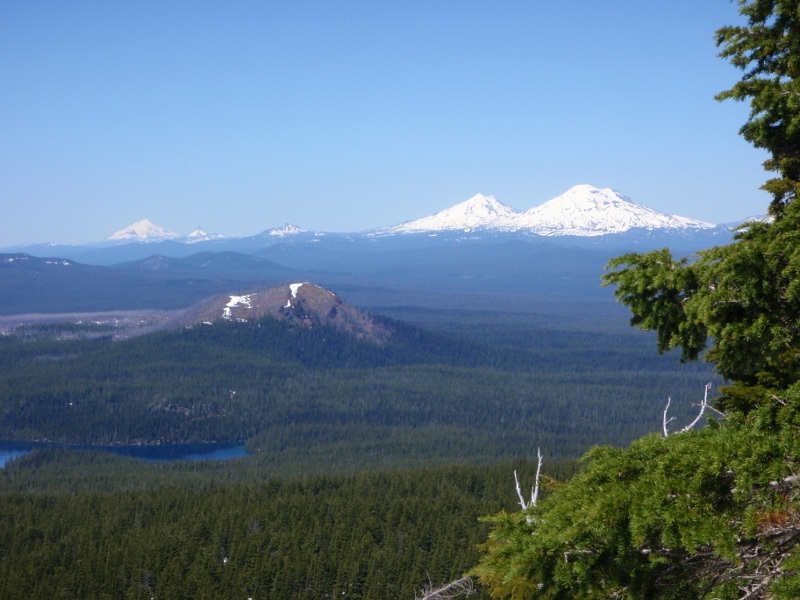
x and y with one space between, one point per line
481 387
371 464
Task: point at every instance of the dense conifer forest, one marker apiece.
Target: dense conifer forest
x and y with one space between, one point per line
469 391
96 525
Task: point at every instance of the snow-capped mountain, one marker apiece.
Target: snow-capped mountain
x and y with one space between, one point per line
479 212
753 219
583 210
143 231
198 235
287 229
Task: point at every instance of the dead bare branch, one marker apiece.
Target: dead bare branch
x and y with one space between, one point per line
454 589
535 489
703 407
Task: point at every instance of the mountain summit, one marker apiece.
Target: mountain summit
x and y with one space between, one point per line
143 231
585 210
199 235
479 212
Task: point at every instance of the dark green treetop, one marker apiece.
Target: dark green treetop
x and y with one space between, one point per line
742 301
767 49
708 514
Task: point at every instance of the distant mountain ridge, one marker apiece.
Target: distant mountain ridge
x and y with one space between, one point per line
584 216
583 210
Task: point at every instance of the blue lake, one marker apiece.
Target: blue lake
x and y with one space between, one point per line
10 450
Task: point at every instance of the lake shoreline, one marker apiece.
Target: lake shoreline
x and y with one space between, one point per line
11 449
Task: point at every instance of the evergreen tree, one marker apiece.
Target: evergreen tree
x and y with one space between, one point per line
744 298
767 49
713 513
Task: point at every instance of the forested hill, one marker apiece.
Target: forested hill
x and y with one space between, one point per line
300 304
310 396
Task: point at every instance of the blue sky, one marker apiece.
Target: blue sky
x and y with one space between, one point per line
349 115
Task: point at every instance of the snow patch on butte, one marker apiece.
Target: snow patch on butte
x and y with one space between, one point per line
293 287
234 302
